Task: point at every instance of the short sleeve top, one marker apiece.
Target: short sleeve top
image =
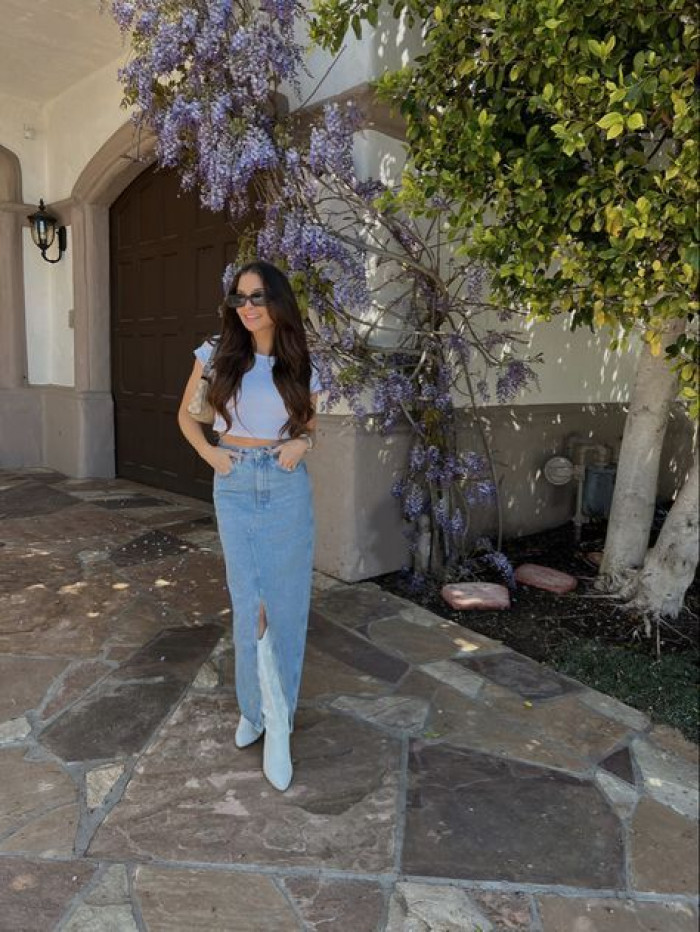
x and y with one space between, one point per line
261 412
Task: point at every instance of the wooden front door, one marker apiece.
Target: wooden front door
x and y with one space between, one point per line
167 256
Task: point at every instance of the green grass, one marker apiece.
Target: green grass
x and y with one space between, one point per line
665 689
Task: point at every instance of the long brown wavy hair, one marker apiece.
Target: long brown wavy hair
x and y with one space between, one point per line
235 353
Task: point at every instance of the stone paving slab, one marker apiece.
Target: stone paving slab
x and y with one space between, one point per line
668 778
105 906
663 850
24 681
74 619
31 499
420 906
192 583
418 644
149 546
620 764
327 676
83 522
35 894
38 805
441 780
117 717
527 678
354 651
358 605
559 733
77 679
122 502
355 906
180 901
476 817
561 915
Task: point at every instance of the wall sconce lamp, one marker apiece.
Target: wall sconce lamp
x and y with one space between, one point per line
45 230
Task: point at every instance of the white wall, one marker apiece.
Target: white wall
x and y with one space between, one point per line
79 122
48 298
23 131
388 47
37 296
62 365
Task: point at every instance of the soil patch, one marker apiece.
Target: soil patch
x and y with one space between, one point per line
586 635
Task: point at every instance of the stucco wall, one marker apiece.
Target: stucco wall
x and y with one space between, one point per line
23 131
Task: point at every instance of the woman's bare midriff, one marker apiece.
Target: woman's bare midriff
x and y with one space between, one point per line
247 441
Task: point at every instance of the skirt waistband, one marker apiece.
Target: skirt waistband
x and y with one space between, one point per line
248 451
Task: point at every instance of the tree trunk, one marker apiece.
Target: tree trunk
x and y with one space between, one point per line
633 502
670 567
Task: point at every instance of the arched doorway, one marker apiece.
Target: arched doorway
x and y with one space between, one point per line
167 256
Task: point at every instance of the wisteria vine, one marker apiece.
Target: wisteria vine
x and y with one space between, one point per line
399 325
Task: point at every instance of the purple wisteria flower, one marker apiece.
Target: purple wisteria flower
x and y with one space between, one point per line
500 562
330 148
515 378
414 501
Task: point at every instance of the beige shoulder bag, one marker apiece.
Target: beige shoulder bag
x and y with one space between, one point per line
199 407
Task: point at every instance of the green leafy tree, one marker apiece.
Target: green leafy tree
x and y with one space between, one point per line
565 136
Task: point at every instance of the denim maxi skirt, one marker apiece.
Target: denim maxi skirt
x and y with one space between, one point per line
266 525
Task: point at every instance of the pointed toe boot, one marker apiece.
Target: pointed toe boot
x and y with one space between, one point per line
246 733
277 761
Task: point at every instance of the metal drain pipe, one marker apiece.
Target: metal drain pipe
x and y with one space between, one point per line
580 452
560 470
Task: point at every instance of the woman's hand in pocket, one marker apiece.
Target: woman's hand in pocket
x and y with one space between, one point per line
290 453
220 459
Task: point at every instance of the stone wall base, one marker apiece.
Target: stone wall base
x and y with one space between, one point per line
58 427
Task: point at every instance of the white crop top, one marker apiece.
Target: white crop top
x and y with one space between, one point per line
261 411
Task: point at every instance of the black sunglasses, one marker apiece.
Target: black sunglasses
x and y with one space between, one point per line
257 299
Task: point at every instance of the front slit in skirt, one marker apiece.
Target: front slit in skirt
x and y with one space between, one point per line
266 525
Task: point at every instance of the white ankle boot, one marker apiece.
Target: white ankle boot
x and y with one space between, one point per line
277 761
246 733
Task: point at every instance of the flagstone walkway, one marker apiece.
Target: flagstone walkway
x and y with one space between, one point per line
442 782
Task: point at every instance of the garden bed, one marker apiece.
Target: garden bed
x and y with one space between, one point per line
586 635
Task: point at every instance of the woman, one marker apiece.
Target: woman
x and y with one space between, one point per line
263 389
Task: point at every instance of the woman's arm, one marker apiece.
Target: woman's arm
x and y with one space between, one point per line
292 451
218 458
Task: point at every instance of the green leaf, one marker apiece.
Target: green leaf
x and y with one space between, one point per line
635 121
610 119
532 134
691 256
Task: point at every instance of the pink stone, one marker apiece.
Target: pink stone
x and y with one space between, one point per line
543 577
465 596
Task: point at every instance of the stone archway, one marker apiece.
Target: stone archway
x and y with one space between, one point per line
13 349
117 163
20 408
